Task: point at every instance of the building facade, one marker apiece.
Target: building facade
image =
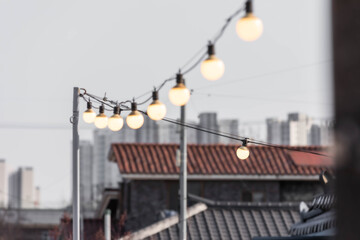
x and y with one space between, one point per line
208 121
229 126
3 184
150 187
87 199
298 130
21 188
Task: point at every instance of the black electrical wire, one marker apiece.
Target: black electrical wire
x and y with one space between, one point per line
212 131
249 140
192 67
228 20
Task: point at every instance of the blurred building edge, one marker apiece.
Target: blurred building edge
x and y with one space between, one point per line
22 193
299 130
3 184
29 224
149 190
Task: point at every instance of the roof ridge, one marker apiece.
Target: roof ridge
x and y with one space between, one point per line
224 144
232 204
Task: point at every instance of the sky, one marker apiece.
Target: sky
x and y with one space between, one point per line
124 48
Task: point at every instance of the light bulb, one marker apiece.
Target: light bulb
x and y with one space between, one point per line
212 68
135 119
249 28
89 115
156 110
242 152
101 119
179 95
116 122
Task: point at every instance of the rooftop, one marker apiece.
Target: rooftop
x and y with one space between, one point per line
140 159
225 220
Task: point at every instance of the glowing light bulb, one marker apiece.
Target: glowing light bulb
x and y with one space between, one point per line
212 68
243 152
179 95
89 115
156 110
101 119
135 119
116 122
249 28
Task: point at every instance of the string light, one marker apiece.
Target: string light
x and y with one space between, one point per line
135 119
156 110
249 28
212 68
243 152
101 119
89 115
244 140
179 95
116 122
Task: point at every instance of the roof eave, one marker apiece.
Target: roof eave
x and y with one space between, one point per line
210 177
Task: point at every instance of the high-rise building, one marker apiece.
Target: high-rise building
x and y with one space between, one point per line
149 132
295 131
37 197
3 184
208 121
87 199
299 128
105 174
321 134
274 131
230 126
21 188
170 133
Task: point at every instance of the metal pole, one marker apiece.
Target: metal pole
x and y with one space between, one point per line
75 158
107 224
183 176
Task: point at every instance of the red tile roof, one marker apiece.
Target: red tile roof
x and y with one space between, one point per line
215 159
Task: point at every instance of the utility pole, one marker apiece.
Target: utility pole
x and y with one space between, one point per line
183 176
75 159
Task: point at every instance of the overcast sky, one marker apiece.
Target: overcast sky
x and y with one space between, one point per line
124 48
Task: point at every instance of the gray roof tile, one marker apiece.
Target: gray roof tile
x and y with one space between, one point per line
237 222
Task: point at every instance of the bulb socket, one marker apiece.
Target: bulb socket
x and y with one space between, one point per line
89 105
117 110
179 78
211 49
155 95
249 6
245 142
133 106
101 109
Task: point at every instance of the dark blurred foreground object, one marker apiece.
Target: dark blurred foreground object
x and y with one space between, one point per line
346 51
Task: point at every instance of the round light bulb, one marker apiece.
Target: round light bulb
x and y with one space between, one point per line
116 122
89 116
242 152
249 28
101 120
156 110
212 68
179 95
135 120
